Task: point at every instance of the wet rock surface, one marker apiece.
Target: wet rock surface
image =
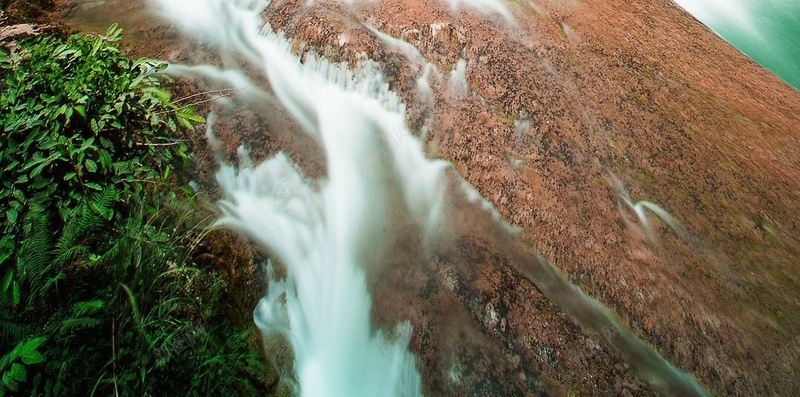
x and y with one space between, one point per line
557 108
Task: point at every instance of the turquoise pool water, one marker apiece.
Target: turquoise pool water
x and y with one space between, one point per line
766 30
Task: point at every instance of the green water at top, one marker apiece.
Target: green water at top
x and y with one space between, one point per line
768 31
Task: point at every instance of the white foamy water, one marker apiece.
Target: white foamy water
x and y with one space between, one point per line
326 232
712 11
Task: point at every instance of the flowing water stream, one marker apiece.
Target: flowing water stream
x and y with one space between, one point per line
380 198
766 30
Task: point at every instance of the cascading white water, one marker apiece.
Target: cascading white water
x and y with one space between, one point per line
326 232
713 10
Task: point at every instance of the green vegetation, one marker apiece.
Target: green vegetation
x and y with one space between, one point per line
100 293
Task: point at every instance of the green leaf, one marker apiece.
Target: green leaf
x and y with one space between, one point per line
11 356
7 280
81 110
94 186
19 195
12 214
15 295
6 248
41 183
91 306
114 33
91 166
105 160
160 93
9 381
33 344
48 144
32 357
106 213
104 142
89 143
189 114
68 113
18 372
12 165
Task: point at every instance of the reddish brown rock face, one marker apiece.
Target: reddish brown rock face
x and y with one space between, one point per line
558 106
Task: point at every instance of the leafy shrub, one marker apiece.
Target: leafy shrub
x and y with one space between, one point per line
99 293
12 364
80 116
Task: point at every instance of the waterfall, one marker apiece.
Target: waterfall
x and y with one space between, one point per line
326 232
330 232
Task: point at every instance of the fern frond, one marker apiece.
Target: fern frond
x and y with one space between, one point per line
11 332
86 308
35 257
74 233
112 252
40 290
70 325
69 254
87 231
81 315
103 202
